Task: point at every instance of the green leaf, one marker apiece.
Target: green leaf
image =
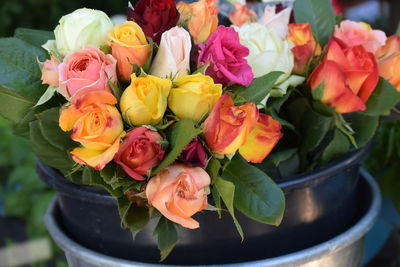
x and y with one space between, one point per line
256 194
167 236
217 200
226 190
259 88
153 51
364 127
19 70
47 95
179 137
319 14
277 157
92 177
133 217
213 168
339 146
111 176
383 99
13 106
34 37
314 127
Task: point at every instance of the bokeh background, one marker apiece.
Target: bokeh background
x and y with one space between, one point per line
24 198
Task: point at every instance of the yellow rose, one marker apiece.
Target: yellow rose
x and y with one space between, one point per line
193 96
129 46
145 100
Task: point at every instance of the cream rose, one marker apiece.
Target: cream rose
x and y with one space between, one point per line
268 52
173 56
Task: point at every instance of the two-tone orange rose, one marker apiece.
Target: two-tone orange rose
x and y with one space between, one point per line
230 128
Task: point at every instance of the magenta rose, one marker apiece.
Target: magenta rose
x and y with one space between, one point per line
226 58
194 154
139 152
86 70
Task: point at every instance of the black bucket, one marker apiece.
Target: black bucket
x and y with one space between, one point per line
319 205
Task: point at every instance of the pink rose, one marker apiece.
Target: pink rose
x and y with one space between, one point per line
194 154
360 33
139 152
226 58
86 70
178 192
50 72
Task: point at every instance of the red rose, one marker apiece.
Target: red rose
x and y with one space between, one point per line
154 17
194 154
139 152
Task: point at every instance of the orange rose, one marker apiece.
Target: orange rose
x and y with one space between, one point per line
178 192
227 127
388 57
97 125
129 46
262 139
202 18
305 46
242 15
349 75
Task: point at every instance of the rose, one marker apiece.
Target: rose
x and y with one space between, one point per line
50 72
194 154
268 52
129 46
359 33
225 56
275 20
242 14
201 17
346 77
139 152
178 192
228 126
173 56
81 28
388 57
305 46
145 100
154 17
86 70
97 125
193 96
262 139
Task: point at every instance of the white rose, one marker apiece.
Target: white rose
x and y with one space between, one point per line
268 52
173 56
81 28
277 22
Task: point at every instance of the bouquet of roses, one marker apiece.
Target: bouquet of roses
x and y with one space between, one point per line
168 109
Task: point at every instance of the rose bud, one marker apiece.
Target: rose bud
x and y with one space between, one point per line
129 46
193 96
388 57
194 154
86 70
262 139
154 17
226 58
97 125
178 192
145 100
50 72
228 126
139 152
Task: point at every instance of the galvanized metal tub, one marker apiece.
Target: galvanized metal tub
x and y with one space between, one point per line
344 250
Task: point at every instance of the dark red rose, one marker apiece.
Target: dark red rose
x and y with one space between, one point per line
154 17
194 154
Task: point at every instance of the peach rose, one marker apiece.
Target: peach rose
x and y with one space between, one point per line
97 125
139 152
86 70
228 126
305 46
360 33
50 72
262 139
129 46
178 192
388 57
242 15
202 18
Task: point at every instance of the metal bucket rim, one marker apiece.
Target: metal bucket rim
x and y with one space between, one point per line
328 247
